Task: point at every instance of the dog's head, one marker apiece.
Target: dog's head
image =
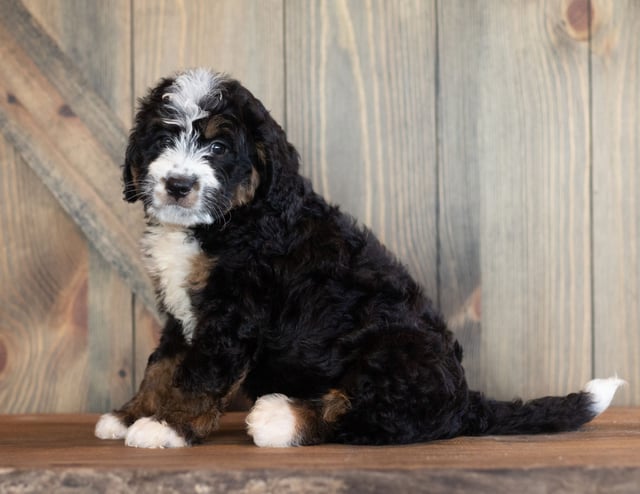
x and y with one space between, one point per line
201 146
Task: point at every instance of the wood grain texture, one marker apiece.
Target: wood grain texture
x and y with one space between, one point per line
616 192
110 344
563 481
50 451
460 25
43 296
360 110
70 137
146 339
462 133
240 37
97 36
533 154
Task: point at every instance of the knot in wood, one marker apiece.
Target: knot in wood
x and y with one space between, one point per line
579 16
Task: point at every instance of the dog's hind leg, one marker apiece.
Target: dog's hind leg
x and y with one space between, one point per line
278 421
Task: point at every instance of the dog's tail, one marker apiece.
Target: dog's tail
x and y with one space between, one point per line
550 414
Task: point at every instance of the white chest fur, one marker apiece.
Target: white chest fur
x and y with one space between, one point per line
170 252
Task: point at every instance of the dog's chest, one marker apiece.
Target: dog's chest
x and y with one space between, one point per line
172 258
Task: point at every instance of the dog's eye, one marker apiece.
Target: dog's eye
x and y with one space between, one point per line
166 141
218 148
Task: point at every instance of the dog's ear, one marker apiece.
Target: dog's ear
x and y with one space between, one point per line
269 137
132 155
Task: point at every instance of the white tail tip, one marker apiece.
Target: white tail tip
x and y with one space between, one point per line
602 392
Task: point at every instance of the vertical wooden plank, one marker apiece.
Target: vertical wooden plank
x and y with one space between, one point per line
43 297
110 343
460 26
240 37
533 153
146 338
616 192
360 110
96 35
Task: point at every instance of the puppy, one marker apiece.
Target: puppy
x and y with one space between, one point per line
268 288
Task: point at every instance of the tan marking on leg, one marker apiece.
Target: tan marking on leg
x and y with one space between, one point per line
193 415
335 404
314 419
154 390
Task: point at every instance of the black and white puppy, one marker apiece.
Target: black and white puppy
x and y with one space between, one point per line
268 288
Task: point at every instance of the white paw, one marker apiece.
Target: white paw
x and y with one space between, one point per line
602 392
272 422
147 432
110 427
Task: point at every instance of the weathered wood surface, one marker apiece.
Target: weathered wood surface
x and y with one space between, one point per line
493 147
97 36
43 360
243 38
361 111
69 137
616 192
460 26
533 153
568 481
47 451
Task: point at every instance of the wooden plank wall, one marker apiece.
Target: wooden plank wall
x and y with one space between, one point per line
616 191
491 145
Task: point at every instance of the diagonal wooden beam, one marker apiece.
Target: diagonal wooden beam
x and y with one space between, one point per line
70 138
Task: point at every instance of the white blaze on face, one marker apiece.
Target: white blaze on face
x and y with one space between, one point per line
183 157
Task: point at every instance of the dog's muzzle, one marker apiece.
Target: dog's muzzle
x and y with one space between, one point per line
180 186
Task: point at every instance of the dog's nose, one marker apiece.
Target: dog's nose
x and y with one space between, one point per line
179 186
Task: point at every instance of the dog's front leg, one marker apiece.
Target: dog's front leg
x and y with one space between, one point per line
170 416
162 413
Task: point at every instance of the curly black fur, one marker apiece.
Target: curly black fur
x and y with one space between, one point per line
300 300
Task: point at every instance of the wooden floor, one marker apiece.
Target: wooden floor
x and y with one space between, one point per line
58 453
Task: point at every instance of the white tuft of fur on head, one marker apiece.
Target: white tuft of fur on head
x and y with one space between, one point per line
272 422
602 392
187 92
